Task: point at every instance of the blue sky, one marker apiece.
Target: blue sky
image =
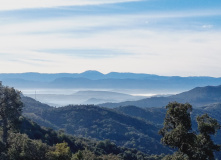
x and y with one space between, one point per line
165 37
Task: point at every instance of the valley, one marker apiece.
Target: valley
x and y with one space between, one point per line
127 125
128 119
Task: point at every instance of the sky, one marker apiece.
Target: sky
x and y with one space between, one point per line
164 37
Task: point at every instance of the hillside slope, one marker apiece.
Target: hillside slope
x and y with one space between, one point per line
197 97
101 123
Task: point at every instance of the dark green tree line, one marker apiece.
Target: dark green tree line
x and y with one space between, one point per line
10 110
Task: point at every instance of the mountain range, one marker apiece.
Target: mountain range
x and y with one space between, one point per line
146 83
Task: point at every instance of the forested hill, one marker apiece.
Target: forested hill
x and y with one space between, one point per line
128 126
197 97
154 115
157 115
100 123
40 143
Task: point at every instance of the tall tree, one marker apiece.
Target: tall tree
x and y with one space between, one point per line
10 110
177 133
177 126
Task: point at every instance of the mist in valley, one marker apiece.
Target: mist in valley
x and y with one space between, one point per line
61 97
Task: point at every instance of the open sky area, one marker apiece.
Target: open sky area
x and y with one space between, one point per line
164 37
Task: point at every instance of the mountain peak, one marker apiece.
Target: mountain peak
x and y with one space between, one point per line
91 72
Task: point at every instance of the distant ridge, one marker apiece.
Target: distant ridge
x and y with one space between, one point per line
197 97
95 75
114 80
90 74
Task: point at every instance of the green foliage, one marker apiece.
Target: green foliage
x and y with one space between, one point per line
3 151
23 148
88 155
176 156
205 146
177 134
10 110
100 123
153 114
207 125
106 147
61 151
109 157
84 155
176 128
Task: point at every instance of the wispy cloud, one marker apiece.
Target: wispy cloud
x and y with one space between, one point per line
176 53
105 22
177 42
29 4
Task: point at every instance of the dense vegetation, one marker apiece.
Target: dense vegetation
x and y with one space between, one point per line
30 141
80 148
156 115
100 123
130 127
83 117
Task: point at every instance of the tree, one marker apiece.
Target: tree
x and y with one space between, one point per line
61 152
177 133
205 147
23 148
10 110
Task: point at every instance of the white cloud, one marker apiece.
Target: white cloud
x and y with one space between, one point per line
28 4
207 26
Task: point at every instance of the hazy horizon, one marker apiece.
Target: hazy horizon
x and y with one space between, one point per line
106 73
62 97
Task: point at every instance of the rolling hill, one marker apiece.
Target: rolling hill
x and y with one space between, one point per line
127 126
157 115
40 141
197 97
99 123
